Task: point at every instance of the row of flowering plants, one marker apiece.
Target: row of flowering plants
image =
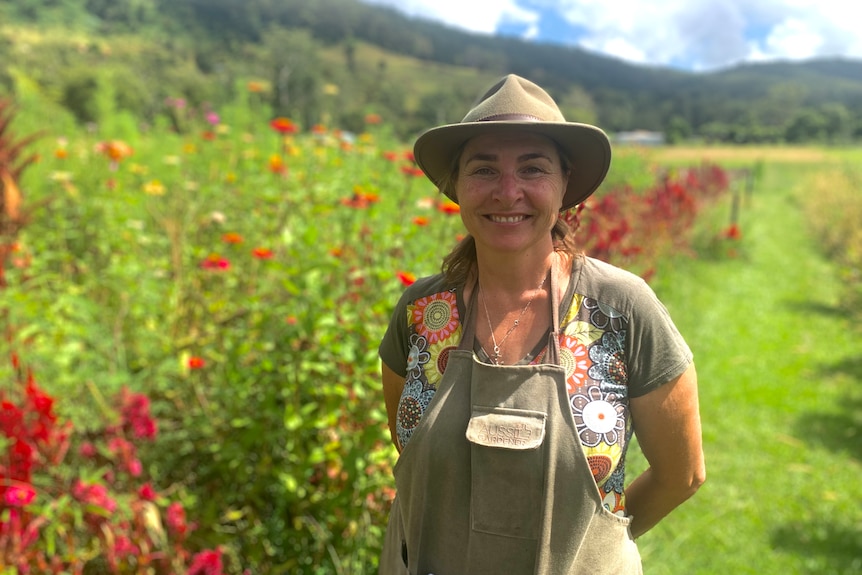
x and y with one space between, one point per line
239 276
73 499
70 501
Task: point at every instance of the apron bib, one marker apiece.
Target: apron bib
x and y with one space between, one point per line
494 479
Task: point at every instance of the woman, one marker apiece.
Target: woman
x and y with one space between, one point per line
515 379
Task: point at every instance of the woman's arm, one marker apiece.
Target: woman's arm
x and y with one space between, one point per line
667 424
393 385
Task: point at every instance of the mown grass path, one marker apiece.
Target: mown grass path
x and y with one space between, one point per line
780 370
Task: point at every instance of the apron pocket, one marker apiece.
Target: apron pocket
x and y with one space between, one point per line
508 471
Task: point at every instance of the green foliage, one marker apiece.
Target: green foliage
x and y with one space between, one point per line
247 300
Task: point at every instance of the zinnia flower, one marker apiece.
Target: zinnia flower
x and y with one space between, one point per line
196 362
283 126
449 207
406 278
262 253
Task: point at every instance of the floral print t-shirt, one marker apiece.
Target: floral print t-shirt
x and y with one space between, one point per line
617 341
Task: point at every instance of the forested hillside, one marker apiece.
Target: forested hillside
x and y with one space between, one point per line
334 61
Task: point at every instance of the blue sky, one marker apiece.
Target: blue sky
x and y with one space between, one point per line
685 34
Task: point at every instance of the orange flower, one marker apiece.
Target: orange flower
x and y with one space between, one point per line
283 126
61 153
733 232
277 165
232 238
256 87
262 253
390 156
406 278
373 119
196 362
115 150
449 207
318 129
420 221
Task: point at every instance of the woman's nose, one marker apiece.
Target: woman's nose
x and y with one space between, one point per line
508 188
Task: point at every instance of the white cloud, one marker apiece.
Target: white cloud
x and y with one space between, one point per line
482 16
695 34
794 39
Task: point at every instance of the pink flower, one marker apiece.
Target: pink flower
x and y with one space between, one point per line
206 563
135 467
215 262
123 547
87 450
19 495
176 519
93 494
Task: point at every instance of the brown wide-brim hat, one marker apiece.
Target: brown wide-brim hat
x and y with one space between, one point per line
516 103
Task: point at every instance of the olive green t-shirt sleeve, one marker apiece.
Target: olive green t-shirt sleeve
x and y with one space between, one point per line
657 352
394 347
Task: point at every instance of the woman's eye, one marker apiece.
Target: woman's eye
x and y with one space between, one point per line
534 170
483 171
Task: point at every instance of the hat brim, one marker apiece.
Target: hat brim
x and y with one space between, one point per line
587 148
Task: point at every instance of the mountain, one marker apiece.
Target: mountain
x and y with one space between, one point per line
337 59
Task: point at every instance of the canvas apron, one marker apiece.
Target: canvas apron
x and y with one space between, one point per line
494 479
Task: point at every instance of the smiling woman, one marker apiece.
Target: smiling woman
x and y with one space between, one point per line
515 379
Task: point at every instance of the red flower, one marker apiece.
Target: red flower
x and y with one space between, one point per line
421 221
390 156
135 411
412 171
733 232
283 126
232 238
147 493
409 156
215 262
196 362
262 253
406 278
206 562
449 207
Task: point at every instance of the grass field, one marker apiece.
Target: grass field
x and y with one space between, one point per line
780 370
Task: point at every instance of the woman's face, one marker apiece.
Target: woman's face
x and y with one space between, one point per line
510 188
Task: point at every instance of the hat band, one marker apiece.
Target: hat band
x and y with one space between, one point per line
510 118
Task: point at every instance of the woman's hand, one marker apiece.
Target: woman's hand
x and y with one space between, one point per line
667 425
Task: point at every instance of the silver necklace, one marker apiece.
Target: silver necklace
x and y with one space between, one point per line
497 353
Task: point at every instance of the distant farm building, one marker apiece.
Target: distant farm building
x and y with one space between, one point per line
639 138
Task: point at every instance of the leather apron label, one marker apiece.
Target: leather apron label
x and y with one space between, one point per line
506 428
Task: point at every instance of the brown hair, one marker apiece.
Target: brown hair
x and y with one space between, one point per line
461 261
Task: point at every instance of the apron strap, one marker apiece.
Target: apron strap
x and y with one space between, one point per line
468 336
